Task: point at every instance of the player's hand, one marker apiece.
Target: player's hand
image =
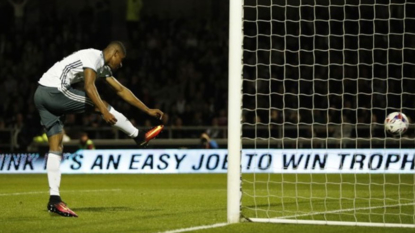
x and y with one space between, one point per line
156 113
109 118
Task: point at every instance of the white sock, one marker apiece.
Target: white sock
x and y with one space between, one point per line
54 173
124 124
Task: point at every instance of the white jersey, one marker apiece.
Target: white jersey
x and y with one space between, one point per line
70 70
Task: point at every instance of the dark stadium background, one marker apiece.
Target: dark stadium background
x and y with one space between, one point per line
177 61
176 52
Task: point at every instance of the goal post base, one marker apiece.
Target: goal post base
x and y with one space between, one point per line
330 223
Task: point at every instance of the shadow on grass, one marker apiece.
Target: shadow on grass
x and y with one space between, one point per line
183 213
104 209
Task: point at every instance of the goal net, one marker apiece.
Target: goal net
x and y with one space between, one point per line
318 80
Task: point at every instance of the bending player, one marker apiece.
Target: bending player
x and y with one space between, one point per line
55 97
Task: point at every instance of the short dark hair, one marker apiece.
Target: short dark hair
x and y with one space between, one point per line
119 45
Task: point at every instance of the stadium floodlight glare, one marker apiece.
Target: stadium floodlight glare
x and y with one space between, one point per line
319 76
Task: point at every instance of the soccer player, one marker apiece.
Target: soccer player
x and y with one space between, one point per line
55 97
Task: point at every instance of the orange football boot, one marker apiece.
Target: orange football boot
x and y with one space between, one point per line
143 138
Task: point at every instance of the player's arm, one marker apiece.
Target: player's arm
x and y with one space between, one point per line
130 98
92 92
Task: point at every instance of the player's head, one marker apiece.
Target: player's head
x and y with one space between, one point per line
114 53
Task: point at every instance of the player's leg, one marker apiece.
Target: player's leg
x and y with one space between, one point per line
122 123
53 166
47 103
55 204
141 138
53 126
81 103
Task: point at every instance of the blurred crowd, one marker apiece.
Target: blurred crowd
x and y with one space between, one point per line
342 68
337 74
177 65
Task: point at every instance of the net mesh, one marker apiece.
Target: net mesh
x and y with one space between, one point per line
324 74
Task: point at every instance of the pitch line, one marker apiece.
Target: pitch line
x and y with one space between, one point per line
197 228
69 191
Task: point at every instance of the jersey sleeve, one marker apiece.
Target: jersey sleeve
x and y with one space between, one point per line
104 72
92 60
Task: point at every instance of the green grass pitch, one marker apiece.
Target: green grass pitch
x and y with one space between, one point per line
142 203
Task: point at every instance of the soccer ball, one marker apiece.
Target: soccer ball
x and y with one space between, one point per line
396 123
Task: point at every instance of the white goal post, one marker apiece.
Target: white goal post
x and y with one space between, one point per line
310 83
235 109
